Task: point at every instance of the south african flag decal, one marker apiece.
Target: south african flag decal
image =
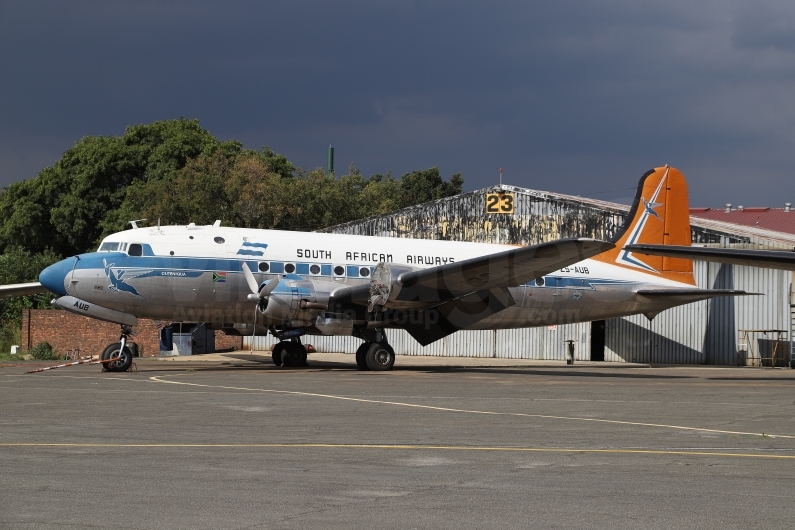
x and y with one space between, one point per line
219 277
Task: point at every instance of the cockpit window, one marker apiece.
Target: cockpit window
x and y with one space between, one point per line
135 250
109 246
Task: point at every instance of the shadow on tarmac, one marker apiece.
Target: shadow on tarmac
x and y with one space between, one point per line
260 363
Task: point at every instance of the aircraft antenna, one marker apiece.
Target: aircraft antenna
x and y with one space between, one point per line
135 223
500 178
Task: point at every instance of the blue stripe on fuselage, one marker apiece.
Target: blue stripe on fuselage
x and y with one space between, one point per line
194 267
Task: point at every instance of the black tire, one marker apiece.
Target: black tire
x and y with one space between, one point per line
361 356
294 354
277 352
124 362
380 357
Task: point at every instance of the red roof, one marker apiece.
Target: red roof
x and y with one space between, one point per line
761 217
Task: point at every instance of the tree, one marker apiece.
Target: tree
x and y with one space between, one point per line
18 265
68 206
176 171
423 186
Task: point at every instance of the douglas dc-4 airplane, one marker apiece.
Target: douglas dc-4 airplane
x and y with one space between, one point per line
289 284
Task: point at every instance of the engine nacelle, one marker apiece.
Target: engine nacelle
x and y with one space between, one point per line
297 300
384 285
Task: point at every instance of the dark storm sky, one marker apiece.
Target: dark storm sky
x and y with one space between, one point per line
573 96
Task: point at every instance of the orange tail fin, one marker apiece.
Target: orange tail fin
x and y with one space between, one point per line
660 215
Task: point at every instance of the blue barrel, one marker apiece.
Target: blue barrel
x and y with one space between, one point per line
166 339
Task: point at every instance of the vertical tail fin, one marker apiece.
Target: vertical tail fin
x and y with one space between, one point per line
660 215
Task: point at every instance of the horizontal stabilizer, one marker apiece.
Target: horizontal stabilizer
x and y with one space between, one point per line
685 296
659 300
771 259
21 289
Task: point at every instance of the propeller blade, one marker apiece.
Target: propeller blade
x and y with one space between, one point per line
269 287
252 282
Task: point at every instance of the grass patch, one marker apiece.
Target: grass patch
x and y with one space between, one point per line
10 335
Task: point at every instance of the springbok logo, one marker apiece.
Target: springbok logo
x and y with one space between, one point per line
625 257
118 279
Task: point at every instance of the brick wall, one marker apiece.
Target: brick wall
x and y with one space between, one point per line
67 331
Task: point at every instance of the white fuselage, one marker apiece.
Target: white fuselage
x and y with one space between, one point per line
194 274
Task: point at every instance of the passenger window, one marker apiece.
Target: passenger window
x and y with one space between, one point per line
136 250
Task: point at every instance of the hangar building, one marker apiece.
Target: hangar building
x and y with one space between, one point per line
708 332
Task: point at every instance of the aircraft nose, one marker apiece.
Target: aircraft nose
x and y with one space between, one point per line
54 276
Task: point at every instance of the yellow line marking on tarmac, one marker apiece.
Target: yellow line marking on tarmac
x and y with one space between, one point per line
157 379
399 447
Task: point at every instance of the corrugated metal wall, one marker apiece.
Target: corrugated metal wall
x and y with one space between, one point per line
526 343
705 332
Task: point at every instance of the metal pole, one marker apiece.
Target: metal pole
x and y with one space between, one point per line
330 161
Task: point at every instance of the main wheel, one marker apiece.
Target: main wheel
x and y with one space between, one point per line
276 353
294 354
361 356
380 357
124 358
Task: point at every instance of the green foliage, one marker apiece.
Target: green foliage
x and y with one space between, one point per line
18 265
43 352
67 206
9 335
245 191
423 186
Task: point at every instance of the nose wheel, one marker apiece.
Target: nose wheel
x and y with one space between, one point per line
119 352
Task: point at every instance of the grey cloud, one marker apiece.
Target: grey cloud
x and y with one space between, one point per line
572 96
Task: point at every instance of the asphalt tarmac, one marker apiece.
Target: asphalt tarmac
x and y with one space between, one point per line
238 443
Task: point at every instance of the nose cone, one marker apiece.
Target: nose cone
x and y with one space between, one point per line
54 276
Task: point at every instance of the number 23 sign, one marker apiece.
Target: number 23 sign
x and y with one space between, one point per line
499 203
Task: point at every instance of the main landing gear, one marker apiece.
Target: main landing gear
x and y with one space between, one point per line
118 351
376 356
289 353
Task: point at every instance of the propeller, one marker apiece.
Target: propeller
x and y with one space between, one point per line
261 296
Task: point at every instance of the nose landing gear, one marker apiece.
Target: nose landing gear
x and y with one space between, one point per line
120 352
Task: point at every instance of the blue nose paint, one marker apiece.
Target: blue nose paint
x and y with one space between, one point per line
54 276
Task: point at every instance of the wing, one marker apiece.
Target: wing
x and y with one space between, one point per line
438 322
771 259
429 287
504 269
442 300
21 289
